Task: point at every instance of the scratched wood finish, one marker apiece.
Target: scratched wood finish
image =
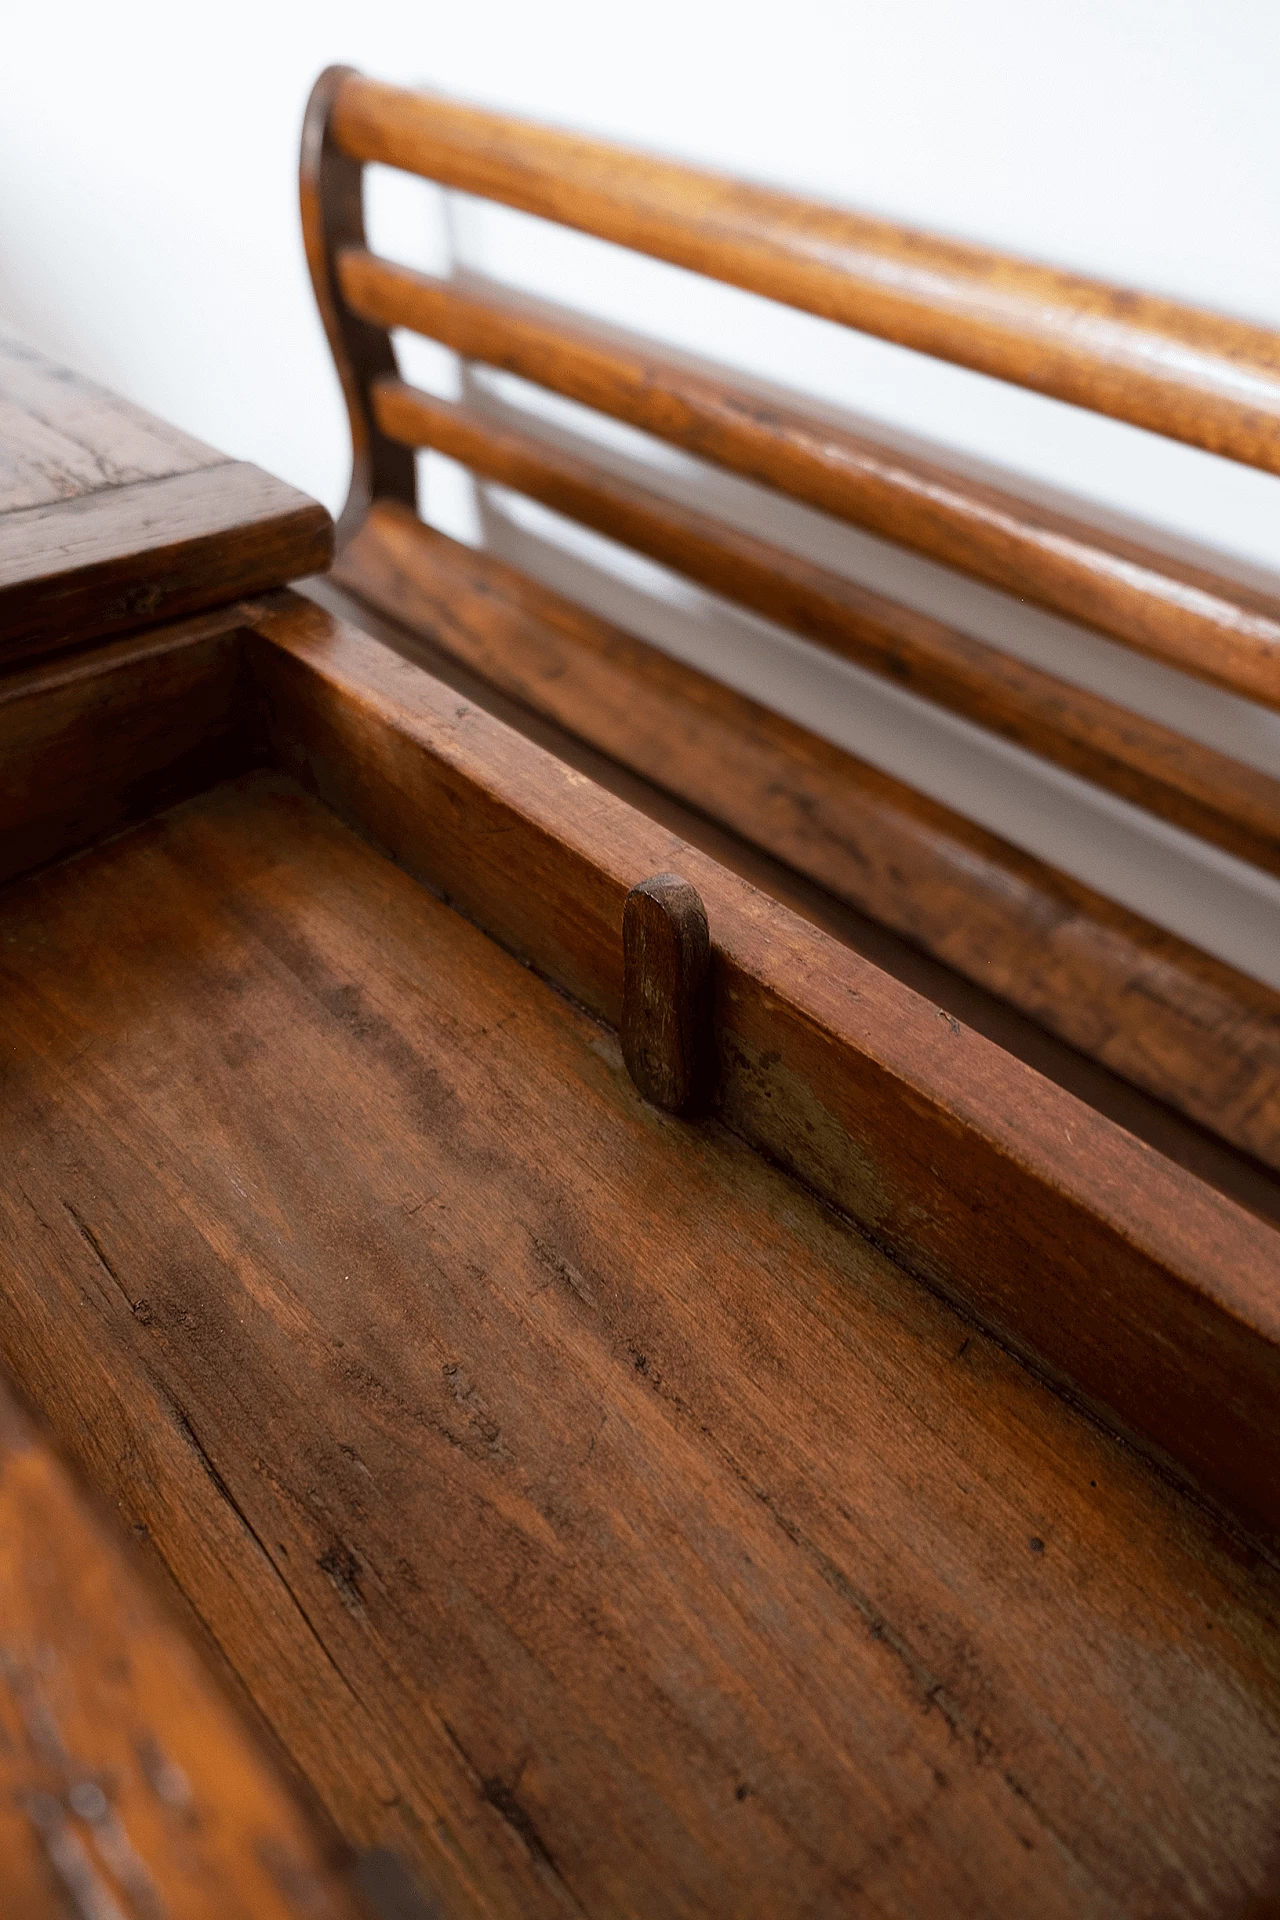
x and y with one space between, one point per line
1149 1292
988 1273
1204 792
708 1566
127 1789
110 520
1176 1021
1191 375
1177 611
62 436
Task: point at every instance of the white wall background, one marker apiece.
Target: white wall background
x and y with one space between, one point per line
149 236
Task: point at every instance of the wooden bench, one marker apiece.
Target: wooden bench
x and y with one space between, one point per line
656 1416
1188 1028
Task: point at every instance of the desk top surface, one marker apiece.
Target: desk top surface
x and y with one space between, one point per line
111 519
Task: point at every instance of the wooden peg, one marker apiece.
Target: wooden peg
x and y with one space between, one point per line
665 951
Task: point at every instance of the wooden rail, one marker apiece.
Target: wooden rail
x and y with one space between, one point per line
1173 1020
1204 792
1185 373
1152 1293
1181 615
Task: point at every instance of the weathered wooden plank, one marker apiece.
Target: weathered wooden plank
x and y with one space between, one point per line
1153 1294
587 1507
62 436
127 556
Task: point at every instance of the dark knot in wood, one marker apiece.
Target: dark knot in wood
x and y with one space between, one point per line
665 954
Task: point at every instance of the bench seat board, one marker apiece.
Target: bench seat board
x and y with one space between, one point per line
595 1517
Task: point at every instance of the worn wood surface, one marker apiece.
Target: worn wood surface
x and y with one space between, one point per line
1204 792
106 563
1185 1026
1190 1146
62 436
1183 372
1178 610
110 520
1151 1293
710 1566
127 1789
664 1024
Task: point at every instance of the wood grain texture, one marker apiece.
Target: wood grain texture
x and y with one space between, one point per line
92 743
1171 1133
1192 375
332 210
1204 792
665 955
127 556
127 1789
62 436
1151 1293
705 1568
1176 1021
1181 613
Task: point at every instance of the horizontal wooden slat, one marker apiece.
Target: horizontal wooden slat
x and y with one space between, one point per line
1178 613
1153 1294
1206 793
1175 1021
1186 373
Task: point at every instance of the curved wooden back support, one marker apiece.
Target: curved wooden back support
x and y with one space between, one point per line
331 184
1193 376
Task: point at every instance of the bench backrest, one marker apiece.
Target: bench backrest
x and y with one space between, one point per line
1210 381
